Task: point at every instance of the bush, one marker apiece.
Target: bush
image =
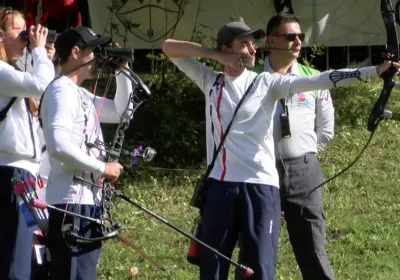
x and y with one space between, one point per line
354 103
172 121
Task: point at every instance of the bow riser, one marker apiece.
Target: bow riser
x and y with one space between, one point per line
391 54
137 97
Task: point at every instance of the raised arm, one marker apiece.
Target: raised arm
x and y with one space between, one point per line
181 54
285 86
23 84
176 48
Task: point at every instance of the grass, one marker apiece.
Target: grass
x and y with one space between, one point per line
362 210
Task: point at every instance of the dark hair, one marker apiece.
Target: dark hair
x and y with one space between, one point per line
62 57
277 20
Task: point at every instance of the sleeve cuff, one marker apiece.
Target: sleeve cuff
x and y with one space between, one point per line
39 52
373 71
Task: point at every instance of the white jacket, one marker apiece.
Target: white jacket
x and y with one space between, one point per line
19 145
71 118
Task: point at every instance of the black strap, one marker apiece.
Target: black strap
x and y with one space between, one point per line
3 113
41 101
218 80
216 152
283 103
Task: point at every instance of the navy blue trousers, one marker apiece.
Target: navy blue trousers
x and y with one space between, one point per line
15 236
73 263
253 210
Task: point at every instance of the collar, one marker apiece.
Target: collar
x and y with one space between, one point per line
68 81
232 78
293 71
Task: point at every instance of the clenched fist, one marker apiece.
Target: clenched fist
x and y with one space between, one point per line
112 171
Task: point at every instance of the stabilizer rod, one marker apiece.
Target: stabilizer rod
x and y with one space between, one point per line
246 271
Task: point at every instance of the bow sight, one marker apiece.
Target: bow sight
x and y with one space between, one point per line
147 154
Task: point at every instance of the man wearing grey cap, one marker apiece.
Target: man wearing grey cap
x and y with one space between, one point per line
243 185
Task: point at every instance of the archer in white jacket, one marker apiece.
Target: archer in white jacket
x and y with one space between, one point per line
71 117
19 149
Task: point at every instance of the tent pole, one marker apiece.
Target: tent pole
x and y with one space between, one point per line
327 58
370 54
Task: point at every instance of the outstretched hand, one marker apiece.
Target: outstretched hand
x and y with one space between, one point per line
381 68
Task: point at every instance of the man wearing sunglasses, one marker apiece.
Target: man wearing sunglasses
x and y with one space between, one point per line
303 124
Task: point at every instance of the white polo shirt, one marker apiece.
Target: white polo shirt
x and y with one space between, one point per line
71 118
248 152
311 118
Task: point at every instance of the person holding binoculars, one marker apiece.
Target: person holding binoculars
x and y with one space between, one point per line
20 152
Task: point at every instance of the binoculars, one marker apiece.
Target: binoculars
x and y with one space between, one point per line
51 36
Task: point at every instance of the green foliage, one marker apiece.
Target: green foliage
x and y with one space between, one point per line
354 103
173 120
316 50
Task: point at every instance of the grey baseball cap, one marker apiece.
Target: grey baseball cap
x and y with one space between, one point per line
236 29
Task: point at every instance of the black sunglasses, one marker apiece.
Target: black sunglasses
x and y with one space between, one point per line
291 36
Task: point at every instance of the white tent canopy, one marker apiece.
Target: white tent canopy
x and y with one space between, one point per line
330 22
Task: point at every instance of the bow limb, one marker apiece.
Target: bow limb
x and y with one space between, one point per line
392 54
